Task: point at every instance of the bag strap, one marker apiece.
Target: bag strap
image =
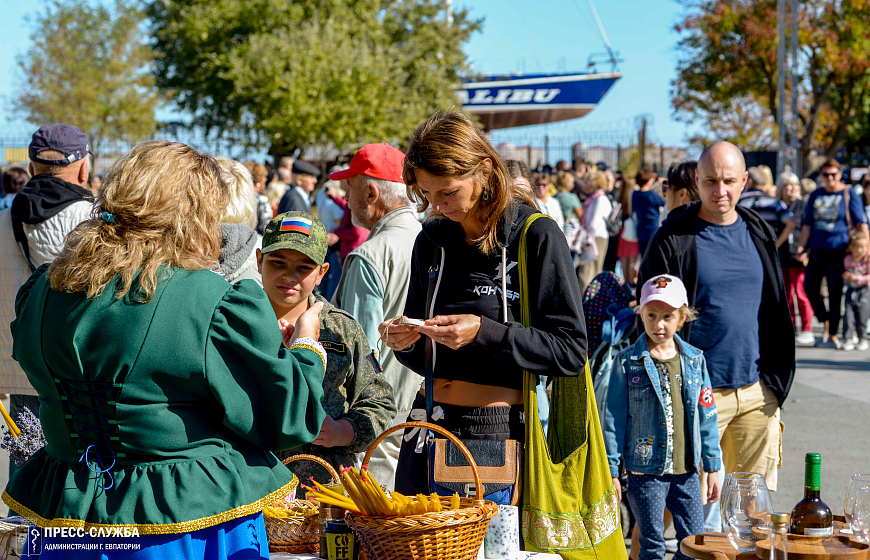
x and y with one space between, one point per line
848 211
525 311
21 240
429 348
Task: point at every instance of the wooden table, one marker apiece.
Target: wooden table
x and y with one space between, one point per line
716 546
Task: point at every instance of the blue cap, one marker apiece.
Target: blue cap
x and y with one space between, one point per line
64 138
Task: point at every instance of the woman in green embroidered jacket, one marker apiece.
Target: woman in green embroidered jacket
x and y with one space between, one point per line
158 380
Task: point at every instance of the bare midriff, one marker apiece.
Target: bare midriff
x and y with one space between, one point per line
464 393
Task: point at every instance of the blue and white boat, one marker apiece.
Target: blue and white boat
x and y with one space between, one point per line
522 100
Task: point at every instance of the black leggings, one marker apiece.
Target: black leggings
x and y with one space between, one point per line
827 264
465 422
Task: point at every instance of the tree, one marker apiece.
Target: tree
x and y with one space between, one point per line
88 67
743 121
730 54
328 72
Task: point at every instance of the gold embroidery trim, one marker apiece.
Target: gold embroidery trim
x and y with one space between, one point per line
318 351
155 529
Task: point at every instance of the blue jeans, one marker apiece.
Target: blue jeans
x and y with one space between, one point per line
649 494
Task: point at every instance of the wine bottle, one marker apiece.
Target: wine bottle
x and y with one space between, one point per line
811 516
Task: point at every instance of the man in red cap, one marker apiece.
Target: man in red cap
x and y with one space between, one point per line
376 274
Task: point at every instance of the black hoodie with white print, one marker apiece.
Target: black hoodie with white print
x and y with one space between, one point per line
470 282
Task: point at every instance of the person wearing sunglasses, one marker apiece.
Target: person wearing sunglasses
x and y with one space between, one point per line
831 213
546 203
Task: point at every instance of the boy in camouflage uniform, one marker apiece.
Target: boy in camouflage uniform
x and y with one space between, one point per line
356 397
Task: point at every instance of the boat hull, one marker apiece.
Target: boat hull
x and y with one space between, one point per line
506 102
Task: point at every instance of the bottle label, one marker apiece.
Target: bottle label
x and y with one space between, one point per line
818 531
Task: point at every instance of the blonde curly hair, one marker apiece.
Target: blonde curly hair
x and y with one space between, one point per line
160 207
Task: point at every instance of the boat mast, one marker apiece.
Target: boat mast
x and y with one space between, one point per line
614 57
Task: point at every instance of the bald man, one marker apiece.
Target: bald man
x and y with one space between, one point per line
726 256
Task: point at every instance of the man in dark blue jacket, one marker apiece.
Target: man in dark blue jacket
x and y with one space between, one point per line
726 256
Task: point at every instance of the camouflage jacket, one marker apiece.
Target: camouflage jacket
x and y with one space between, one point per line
354 388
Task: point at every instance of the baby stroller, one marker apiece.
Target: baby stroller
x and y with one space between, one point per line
610 328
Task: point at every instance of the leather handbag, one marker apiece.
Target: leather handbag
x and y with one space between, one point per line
499 463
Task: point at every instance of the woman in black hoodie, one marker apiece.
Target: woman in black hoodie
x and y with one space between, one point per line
464 283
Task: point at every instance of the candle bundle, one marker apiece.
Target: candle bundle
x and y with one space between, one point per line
368 498
25 441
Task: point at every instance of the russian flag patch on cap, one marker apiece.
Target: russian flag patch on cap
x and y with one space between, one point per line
299 225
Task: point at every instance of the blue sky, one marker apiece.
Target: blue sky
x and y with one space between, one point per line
538 36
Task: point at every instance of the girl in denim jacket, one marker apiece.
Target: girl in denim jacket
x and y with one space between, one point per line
660 418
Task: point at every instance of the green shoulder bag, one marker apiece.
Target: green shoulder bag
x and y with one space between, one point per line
569 504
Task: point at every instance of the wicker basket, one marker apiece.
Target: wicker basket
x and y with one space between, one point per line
445 535
299 533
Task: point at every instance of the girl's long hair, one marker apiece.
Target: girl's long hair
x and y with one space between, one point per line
160 206
450 145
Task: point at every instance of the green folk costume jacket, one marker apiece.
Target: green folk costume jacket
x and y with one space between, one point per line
158 415
354 389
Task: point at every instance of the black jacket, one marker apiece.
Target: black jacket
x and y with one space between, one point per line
672 250
292 201
556 342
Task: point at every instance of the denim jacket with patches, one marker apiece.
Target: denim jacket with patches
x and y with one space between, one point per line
634 415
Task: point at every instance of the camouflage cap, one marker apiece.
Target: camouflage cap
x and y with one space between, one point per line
299 231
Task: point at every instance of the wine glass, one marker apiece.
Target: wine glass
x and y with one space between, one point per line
734 478
858 482
861 516
746 514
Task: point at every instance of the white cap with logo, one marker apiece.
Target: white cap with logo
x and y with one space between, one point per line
666 289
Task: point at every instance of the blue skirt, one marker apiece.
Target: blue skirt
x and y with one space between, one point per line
240 539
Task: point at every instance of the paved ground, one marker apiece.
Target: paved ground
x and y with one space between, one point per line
827 412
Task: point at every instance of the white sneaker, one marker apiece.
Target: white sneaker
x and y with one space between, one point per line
805 337
849 346
863 345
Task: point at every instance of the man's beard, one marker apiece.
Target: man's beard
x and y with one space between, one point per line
355 221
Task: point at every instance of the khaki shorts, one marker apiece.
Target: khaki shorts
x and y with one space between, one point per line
750 431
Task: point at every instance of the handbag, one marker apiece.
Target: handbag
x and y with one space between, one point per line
613 222
629 229
569 504
499 462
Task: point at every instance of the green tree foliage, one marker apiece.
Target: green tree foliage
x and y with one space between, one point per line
88 66
729 53
290 74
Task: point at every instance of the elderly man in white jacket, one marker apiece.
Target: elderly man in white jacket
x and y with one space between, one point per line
32 232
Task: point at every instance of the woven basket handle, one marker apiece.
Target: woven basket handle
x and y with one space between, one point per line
317 460
443 432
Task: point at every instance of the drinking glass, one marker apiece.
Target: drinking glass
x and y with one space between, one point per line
856 484
861 516
746 513
734 478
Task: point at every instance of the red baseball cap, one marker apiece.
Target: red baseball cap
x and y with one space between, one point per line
380 161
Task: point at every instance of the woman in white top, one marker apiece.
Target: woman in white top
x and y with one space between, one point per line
546 203
596 208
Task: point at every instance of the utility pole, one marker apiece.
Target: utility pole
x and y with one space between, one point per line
789 149
780 86
796 141
546 148
641 143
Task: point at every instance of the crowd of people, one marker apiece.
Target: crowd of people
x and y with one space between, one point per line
268 313
816 238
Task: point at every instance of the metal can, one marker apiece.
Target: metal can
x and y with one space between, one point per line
340 541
